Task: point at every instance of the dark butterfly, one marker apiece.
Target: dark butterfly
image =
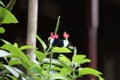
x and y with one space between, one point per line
59 42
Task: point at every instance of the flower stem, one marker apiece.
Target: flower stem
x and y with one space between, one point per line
50 64
57 25
73 75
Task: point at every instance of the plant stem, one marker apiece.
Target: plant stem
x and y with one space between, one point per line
74 76
75 51
73 64
49 48
57 25
50 64
73 73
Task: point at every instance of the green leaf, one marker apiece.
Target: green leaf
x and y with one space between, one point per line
65 71
19 71
5 41
16 45
61 50
25 47
10 5
17 53
58 77
47 67
42 42
11 70
22 74
100 78
64 60
80 59
54 61
37 70
40 55
88 71
4 53
56 68
2 4
14 61
2 30
11 77
6 16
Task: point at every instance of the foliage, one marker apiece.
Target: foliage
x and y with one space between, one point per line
6 17
47 67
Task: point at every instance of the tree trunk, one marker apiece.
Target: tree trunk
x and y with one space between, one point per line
32 27
92 24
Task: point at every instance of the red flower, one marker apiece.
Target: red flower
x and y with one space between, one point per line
54 35
66 35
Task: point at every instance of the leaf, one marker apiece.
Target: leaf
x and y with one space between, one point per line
80 59
18 70
88 71
10 5
65 71
22 74
58 77
6 16
2 4
60 50
5 41
25 47
54 61
56 68
11 77
37 70
2 30
16 45
17 53
40 55
14 61
42 42
4 53
11 70
23 78
100 78
64 60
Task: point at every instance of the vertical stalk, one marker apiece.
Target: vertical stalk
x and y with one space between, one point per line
57 25
32 27
50 64
50 47
73 65
73 75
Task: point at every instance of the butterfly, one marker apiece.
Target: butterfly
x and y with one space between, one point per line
56 41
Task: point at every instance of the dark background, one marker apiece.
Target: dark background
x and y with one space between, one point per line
73 21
